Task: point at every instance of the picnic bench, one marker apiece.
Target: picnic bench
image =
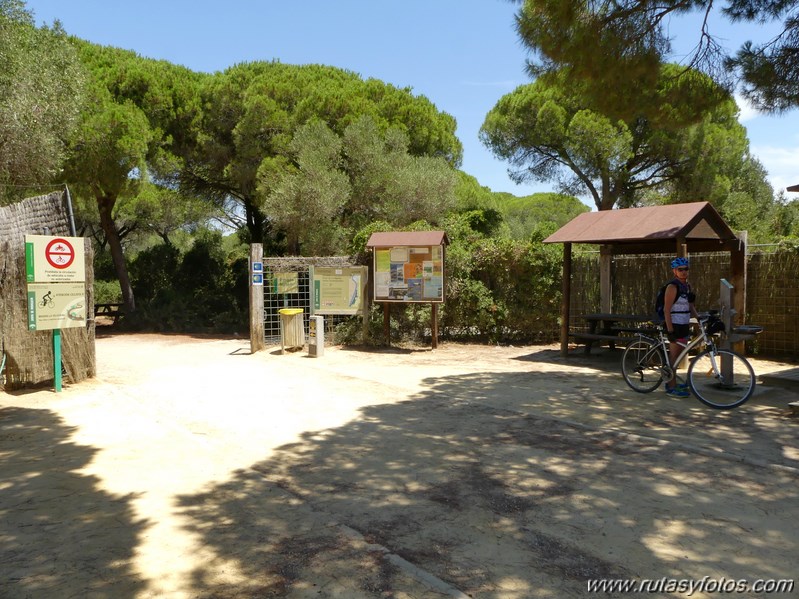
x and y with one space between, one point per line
111 310
615 329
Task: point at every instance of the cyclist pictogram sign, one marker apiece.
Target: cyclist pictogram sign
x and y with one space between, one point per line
59 253
51 259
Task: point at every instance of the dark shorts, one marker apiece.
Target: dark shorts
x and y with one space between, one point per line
683 331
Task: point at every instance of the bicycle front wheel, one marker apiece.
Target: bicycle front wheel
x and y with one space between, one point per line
721 379
642 366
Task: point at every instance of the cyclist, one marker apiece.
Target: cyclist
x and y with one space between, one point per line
678 308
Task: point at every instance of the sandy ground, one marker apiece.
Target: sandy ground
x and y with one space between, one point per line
190 468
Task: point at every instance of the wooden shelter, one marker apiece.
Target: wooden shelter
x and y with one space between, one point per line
793 188
677 229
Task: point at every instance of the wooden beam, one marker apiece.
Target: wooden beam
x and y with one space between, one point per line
693 246
605 279
682 248
566 299
434 325
387 322
738 267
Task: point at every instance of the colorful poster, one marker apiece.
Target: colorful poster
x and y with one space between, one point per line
397 272
433 288
414 292
399 254
382 260
382 284
409 274
413 270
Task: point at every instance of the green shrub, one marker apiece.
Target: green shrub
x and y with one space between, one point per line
107 292
204 289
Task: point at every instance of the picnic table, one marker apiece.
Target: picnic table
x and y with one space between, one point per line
112 310
611 328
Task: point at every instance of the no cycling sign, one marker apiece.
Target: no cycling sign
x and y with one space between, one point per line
55 273
54 259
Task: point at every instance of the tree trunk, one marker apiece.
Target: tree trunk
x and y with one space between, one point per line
105 205
255 222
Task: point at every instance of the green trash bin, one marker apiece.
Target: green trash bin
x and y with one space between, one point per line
292 329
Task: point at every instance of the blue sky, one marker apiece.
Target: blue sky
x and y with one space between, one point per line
461 54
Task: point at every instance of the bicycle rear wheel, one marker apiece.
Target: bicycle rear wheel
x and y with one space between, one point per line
721 379
642 366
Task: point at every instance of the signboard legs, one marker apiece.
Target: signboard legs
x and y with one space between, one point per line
433 323
57 359
387 322
434 327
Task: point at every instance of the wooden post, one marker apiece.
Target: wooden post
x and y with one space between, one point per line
566 299
605 282
366 307
726 292
387 322
434 318
738 266
257 341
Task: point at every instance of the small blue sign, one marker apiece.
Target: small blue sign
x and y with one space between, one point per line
258 267
257 279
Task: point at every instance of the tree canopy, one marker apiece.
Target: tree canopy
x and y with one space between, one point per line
334 185
549 131
617 48
41 91
137 111
253 110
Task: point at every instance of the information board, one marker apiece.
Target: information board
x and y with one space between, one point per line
409 274
338 290
56 306
285 282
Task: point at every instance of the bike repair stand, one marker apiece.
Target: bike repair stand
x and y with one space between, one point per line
734 334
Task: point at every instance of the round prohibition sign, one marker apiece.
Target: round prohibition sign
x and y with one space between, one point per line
59 253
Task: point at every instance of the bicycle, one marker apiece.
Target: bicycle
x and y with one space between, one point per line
719 378
46 300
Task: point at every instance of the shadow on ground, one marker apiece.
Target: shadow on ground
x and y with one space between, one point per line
56 525
504 485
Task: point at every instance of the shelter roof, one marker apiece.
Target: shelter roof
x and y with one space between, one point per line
409 238
696 221
793 188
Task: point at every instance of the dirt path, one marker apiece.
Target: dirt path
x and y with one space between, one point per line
190 468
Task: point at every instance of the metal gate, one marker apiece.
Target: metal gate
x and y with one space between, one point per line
287 285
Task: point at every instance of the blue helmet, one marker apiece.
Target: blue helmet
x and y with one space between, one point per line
677 262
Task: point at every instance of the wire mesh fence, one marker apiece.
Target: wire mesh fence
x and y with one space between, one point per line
772 296
287 284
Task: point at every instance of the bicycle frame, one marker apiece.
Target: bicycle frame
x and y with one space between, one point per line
718 377
662 347
721 371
